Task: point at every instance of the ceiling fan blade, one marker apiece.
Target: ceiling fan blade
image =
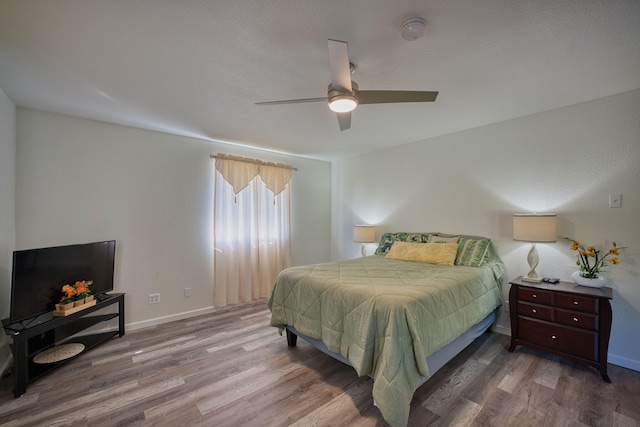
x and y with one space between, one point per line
339 65
391 96
344 120
293 101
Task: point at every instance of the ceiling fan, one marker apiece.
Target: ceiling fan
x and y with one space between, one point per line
344 95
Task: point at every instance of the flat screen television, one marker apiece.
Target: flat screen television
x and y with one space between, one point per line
39 274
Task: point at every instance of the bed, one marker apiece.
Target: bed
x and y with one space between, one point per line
398 315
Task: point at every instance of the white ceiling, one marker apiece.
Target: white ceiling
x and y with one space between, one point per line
197 67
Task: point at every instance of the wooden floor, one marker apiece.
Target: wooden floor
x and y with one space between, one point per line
231 369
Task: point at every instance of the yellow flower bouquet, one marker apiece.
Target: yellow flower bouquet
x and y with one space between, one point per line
589 260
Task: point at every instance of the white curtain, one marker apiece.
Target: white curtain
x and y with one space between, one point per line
251 228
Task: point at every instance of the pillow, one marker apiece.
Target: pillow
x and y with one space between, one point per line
471 252
441 239
432 253
388 239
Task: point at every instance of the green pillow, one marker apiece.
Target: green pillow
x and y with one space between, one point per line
388 239
471 252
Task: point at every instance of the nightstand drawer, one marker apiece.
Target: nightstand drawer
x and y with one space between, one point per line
535 310
535 295
577 319
559 338
577 302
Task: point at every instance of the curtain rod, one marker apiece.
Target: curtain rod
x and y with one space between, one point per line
254 161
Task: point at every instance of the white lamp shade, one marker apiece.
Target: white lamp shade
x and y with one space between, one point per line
534 227
364 233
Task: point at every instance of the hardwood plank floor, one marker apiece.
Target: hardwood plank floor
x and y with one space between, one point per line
231 369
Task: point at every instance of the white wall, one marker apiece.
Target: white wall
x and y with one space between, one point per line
567 161
7 213
80 180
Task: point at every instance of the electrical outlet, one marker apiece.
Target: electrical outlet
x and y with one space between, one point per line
187 292
154 298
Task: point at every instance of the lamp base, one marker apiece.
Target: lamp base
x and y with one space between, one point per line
532 258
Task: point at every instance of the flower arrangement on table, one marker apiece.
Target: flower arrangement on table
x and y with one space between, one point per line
589 260
77 294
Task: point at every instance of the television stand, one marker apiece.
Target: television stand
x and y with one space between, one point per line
45 332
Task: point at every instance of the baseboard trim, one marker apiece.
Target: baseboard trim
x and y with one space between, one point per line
504 330
501 329
634 365
165 319
6 365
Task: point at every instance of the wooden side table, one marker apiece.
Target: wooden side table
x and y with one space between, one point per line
564 319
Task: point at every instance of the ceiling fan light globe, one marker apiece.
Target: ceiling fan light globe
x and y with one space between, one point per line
342 104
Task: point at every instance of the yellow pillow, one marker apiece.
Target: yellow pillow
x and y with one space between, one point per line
432 253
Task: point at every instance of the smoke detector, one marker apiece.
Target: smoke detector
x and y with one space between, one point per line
413 29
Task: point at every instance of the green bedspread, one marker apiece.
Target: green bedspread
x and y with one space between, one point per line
386 316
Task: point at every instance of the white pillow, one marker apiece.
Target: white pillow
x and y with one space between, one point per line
441 239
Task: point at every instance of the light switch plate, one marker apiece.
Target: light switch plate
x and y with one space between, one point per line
615 200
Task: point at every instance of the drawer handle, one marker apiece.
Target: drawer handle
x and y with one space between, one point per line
575 319
534 310
575 303
553 336
535 296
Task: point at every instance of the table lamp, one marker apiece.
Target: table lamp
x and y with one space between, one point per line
534 228
364 234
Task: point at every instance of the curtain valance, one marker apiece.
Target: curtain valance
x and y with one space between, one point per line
239 171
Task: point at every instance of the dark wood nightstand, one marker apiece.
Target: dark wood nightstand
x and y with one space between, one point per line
564 319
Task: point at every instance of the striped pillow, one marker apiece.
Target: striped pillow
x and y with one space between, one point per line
471 252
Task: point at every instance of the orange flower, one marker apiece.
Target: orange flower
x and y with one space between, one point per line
614 261
575 245
614 251
81 288
69 290
78 291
